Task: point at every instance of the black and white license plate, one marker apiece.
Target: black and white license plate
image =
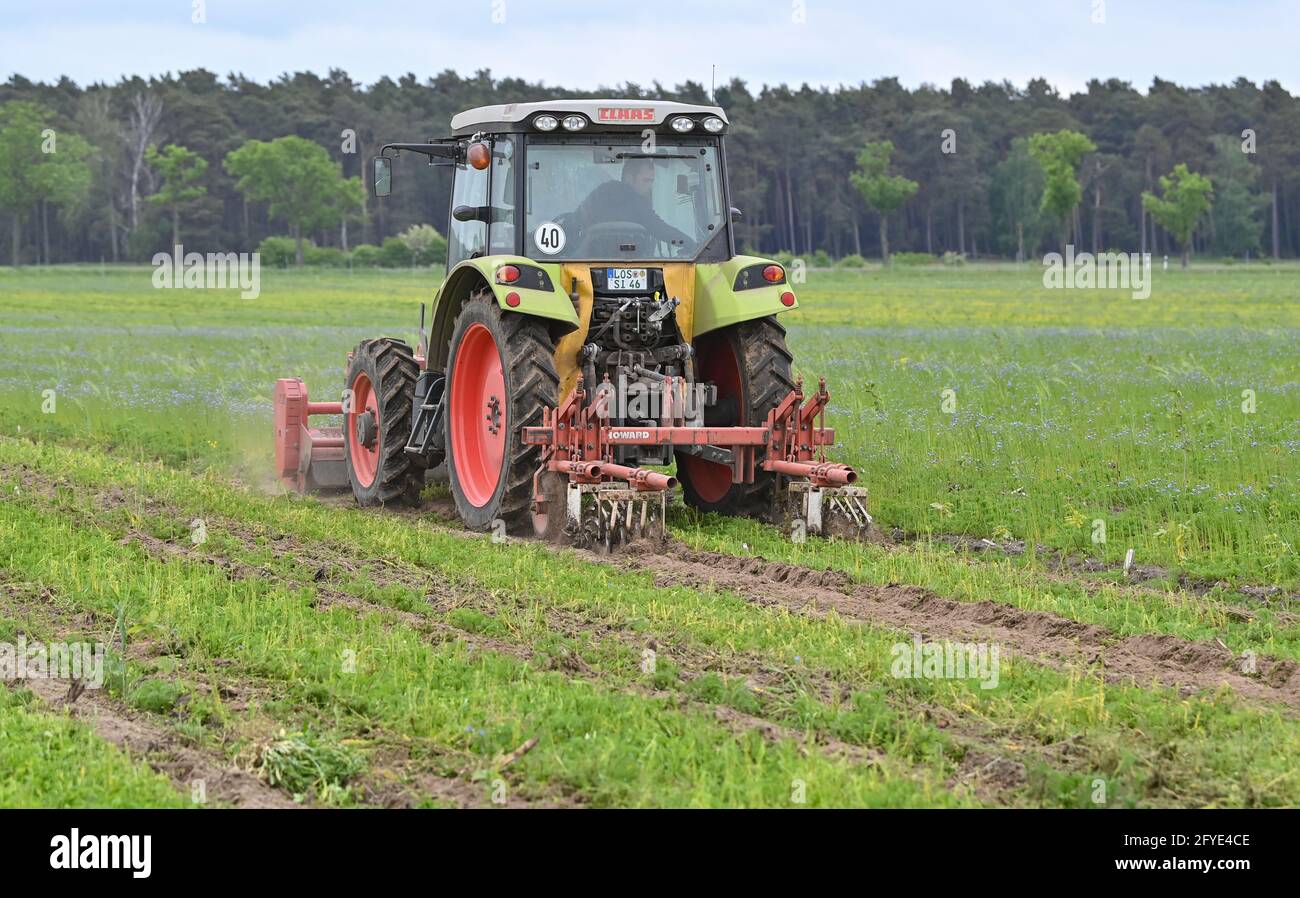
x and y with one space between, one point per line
626 279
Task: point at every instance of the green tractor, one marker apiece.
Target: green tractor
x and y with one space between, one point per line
595 323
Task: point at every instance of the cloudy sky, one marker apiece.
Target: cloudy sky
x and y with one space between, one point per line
592 43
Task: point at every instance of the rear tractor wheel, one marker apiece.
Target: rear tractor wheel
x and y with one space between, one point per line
377 414
501 374
750 365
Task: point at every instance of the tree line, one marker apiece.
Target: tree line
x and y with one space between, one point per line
116 172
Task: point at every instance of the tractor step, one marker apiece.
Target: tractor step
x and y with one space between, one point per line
428 435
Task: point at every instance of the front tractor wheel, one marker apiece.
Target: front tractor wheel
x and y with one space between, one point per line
750 365
377 413
501 374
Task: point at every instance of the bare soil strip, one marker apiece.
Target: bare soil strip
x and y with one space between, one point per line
321 563
162 749
1082 568
1152 658
1060 642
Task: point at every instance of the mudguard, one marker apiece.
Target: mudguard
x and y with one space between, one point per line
543 297
707 290
718 303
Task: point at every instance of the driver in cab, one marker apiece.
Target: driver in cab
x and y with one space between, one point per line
630 199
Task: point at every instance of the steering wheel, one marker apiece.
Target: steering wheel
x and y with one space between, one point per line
598 239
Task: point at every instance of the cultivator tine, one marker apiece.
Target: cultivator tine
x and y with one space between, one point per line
579 442
852 507
606 515
827 510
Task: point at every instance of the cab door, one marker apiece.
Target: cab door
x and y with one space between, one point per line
467 239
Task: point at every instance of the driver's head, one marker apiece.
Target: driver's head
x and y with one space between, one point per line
639 174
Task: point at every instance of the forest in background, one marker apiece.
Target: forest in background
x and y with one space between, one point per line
791 153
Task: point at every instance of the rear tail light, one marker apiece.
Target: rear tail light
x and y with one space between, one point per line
773 273
507 274
787 298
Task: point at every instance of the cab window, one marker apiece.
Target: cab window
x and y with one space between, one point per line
467 239
502 228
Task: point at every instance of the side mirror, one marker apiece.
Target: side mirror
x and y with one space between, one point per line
383 175
735 214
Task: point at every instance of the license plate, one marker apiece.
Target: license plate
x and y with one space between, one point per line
626 279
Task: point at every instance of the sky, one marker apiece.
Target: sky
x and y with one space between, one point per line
593 43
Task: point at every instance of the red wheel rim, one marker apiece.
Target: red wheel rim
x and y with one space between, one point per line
365 462
718 363
478 416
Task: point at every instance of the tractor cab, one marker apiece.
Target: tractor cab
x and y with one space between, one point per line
572 180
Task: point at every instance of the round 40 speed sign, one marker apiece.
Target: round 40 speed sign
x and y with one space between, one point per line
549 238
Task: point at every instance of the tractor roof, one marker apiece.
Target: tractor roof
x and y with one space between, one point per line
603 114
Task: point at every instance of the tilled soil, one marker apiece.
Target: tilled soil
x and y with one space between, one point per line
161 748
321 564
1059 641
1076 566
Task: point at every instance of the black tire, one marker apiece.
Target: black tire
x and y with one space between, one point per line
531 383
763 379
390 367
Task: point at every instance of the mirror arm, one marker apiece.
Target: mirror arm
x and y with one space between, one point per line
432 150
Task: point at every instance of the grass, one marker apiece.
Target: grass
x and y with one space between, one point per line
50 761
460 706
1071 408
304 763
602 735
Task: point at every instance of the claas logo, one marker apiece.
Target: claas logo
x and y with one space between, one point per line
626 114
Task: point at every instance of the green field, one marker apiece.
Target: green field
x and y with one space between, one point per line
339 656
